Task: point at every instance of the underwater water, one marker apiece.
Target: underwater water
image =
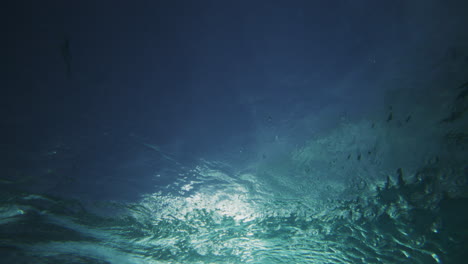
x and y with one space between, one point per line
217 218
262 132
366 191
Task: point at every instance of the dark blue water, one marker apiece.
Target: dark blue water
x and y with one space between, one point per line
216 132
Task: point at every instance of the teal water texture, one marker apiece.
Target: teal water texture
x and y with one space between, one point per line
295 207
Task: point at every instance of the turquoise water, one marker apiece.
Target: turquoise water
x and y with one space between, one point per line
259 132
416 222
366 191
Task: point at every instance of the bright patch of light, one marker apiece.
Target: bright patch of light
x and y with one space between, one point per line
233 204
187 187
436 258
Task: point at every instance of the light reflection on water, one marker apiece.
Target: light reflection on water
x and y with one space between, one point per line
225 219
